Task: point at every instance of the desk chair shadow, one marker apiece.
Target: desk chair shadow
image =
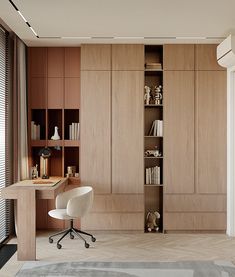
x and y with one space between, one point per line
70 205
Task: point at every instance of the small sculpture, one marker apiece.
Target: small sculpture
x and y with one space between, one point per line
158 95
147 95
56 134
34 172
151 221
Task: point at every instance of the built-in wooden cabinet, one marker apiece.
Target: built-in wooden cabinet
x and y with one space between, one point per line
195 141
96 57
211 131
127 57
53 100
205 57
179 131
178 57
96 130
127 126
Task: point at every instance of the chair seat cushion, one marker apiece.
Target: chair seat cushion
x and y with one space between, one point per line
59 214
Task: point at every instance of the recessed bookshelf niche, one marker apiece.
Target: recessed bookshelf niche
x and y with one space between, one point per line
153 131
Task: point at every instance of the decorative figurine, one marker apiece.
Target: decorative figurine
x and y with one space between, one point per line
56 134
34 172
151 221
158 95
147 95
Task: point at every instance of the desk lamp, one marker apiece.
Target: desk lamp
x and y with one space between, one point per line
44 153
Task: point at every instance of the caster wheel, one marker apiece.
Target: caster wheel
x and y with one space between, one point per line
87 245
50 240
71 236
93 239
59 246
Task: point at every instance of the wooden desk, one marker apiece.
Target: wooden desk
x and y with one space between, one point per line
26 195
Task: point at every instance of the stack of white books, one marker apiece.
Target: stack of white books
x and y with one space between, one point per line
156 128
74 132
35 131
153 175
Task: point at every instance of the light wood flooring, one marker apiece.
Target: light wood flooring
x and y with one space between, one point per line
132 247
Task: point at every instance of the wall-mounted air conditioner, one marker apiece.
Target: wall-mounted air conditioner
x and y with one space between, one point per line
226 52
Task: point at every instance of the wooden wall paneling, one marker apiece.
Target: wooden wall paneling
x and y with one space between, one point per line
113 221
118 203
195 203
38 93
72 93
41 213
127 57
206 59
211 131
55 62
38 61
195 221
72 62
179 131
96 57
95 152
127 131
55 93
178 57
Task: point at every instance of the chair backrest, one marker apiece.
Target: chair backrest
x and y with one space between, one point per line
80 202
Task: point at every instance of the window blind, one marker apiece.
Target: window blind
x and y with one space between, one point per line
4 173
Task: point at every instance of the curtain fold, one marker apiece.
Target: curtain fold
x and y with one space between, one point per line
19 113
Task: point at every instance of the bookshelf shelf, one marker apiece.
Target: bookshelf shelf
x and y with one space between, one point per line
153 106
38 143
153 124
55 143
72 142
153 157
153 136
153 185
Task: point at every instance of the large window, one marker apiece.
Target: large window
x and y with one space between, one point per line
4 204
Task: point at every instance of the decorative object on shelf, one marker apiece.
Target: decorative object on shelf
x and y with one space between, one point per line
56 134
158 95
153 153
74 131
44 154
147 95
156 128
151 221
34 172
71 170
35 131
76 175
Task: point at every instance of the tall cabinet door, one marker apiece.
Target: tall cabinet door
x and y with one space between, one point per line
179 131
127 131
211 134
95 156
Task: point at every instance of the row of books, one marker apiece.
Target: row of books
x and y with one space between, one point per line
74 131
35 131
153 66
153 175
156 128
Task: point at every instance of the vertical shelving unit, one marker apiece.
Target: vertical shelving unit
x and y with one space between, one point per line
153 140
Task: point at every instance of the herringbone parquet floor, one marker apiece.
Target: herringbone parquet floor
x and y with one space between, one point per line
132 247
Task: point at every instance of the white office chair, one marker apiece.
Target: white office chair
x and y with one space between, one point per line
70 205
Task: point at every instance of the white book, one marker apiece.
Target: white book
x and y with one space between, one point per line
146 176
155 128
70 132
78 137
158 128
38 132
32 124
159 179
162 127
35 131
73 131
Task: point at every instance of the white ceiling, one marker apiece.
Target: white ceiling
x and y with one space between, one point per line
164 19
